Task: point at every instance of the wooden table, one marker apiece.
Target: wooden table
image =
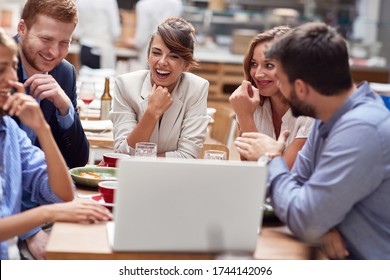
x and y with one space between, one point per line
76 241
90 241
101 139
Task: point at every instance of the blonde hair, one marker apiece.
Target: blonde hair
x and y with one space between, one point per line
8 42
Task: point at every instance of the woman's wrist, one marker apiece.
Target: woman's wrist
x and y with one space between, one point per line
43 129
151 115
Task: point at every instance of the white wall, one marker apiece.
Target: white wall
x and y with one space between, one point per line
365 25
10 12
384 29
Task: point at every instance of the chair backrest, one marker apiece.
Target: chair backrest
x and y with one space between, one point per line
219 147
386 99
224 125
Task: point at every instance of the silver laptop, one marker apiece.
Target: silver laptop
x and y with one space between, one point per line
177 205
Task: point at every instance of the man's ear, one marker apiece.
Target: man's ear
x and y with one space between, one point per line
302 89
22 29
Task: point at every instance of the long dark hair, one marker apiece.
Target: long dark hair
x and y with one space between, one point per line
266 36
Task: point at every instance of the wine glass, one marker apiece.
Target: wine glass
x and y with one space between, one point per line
146 149
87 94
215 154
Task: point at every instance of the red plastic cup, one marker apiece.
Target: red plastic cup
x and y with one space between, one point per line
110 159
107 189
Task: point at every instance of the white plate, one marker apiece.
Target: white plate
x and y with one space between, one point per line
380 87
105 173
97 125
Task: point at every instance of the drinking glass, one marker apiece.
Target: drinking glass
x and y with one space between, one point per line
215 154
146 149
87 94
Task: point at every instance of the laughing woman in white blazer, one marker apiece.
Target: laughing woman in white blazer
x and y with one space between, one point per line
165 105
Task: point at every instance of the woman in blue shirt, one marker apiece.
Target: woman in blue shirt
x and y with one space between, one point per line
26 171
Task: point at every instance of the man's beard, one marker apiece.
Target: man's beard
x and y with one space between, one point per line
27 56
298 108
29 59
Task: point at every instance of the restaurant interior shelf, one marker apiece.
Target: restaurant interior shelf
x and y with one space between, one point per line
223 78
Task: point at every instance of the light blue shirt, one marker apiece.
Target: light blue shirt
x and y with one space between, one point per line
341 179
23 171
65 122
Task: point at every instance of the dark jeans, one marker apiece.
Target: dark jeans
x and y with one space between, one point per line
89 59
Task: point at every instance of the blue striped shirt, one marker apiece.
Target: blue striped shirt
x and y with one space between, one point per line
23 172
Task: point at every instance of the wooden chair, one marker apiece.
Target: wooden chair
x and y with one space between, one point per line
219 147
224 126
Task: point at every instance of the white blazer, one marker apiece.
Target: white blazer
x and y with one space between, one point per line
183 127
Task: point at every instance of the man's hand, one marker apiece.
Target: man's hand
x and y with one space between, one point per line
36 244
252 145
44 86
333 245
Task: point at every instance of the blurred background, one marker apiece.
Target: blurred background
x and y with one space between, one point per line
224 29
